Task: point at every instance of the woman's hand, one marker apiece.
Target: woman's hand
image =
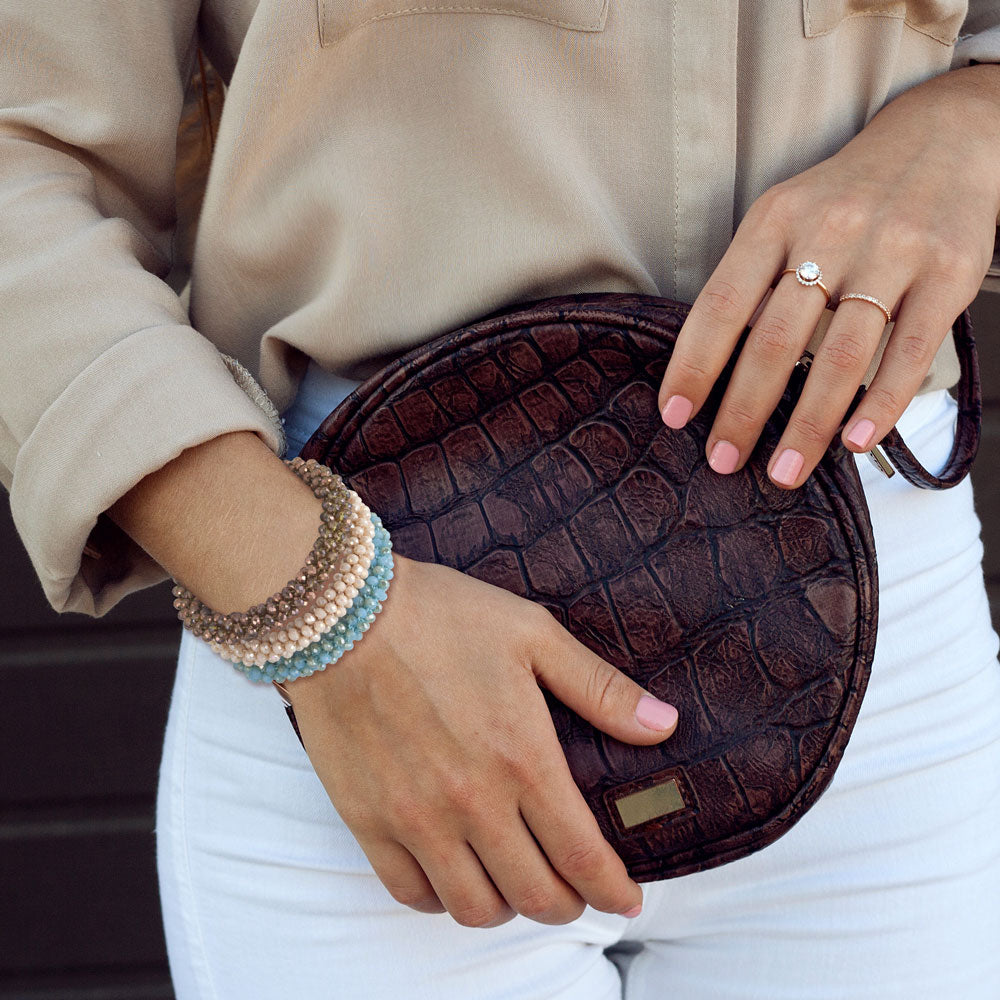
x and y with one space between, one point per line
431 736
436 747
905 212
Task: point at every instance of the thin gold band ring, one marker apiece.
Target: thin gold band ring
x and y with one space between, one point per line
869 298
809 273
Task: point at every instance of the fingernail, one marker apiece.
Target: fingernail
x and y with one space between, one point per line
788 466
675 414
724 457
655 714
861 434
634 912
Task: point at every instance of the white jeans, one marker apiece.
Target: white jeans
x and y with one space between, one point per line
889 887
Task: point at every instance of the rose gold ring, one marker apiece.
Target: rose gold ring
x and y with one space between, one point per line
808 273
868 298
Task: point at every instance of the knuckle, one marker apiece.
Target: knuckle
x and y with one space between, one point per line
974 257
772 339
722 302
541 623
914 351
947 255
414 896
613 902
459 791
967 281
583 859
959 272
907 237
540 632
846 215
477 912
358 819
885 400
807 429
773 207
520 764
940 260
690 369
537 902
556 913
957 269
847 354
603 687
735 415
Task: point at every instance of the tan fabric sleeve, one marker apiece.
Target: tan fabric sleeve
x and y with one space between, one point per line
103 380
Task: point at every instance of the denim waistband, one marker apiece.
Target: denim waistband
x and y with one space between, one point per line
319 393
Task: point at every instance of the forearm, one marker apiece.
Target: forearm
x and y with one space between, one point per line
227 518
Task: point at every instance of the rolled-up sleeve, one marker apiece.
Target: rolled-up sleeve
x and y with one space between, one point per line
979 41
103 379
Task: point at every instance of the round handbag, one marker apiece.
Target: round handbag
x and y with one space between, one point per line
527 449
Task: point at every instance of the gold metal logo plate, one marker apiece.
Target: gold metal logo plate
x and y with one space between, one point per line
650 803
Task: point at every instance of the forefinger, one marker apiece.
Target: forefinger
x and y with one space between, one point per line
718 317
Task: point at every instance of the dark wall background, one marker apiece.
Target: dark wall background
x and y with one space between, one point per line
83 704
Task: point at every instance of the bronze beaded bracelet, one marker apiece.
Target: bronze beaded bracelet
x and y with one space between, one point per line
213 626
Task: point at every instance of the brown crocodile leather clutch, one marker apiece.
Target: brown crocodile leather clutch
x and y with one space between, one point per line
527 450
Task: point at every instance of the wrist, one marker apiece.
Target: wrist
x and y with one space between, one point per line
335 588
227 518
301 691
961 108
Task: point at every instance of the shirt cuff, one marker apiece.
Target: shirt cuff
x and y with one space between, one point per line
129 412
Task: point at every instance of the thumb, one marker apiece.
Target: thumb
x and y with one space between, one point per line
600 693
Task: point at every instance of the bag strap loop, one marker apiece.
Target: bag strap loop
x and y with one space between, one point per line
968 427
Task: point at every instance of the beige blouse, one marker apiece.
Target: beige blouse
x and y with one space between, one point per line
382 173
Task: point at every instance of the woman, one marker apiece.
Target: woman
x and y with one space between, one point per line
383 174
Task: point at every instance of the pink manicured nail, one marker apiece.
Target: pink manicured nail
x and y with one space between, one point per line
675 414
861 434
655 714
634 912
724 458
788 466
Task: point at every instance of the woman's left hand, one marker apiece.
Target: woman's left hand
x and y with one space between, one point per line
905 212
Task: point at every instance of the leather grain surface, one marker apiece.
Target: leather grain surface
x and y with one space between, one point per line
527 450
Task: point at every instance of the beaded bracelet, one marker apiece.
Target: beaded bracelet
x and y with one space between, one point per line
340 587
333 596
329 648
336 516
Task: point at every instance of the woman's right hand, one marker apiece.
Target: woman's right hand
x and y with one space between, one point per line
438 751
431 735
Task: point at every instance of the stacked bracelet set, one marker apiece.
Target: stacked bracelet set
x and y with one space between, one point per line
320 614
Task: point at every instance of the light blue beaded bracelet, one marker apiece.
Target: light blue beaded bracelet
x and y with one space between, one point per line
329 647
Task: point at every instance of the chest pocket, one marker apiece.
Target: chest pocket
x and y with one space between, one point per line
338 18
940 19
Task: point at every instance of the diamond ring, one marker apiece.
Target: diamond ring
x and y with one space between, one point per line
809 273
868 298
